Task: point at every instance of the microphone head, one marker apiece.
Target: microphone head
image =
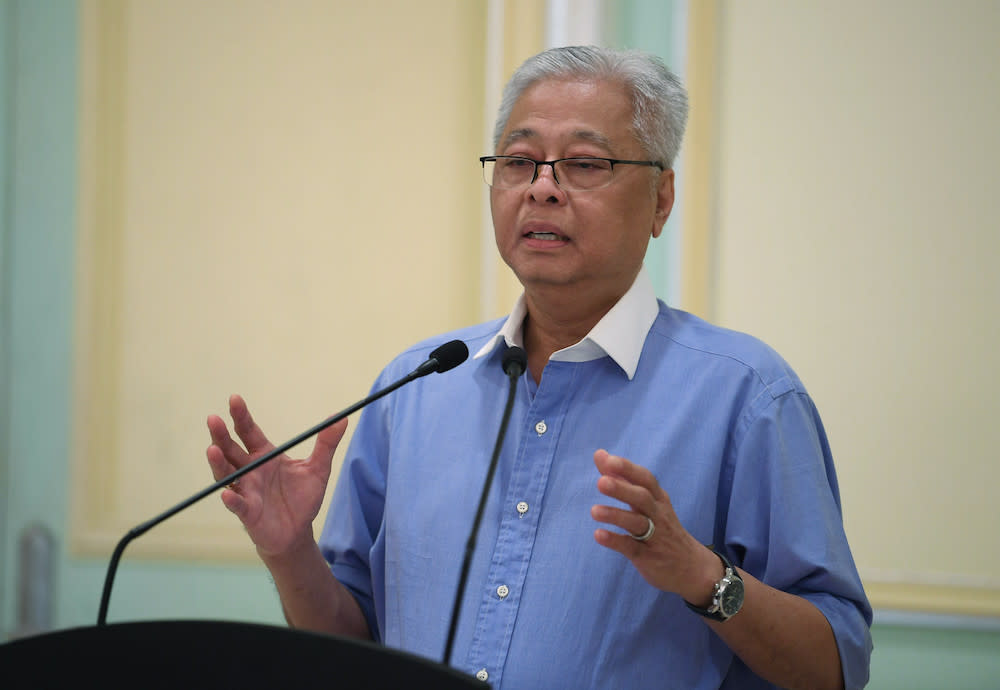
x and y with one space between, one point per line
514 361
450 355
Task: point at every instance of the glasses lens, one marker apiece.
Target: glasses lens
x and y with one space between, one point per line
509 173
584 173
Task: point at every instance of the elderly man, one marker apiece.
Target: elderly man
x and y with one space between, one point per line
665 512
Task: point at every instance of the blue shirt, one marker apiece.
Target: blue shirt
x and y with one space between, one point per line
718 417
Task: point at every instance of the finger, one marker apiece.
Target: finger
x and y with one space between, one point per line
622 543
617 466
232 451
636 497
246 428
326 444
628 482
218 463
631 522
235 504
221 468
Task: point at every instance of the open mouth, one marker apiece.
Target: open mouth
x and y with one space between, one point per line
551 236
542 232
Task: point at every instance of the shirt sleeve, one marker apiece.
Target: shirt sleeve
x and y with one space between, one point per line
784 523
355 516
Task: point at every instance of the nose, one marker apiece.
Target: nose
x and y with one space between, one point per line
545 186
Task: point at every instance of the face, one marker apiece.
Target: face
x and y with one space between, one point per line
591 242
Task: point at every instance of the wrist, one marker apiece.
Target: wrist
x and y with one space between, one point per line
708 571
727 593
291 557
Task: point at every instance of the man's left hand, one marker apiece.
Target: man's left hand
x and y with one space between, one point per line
670 559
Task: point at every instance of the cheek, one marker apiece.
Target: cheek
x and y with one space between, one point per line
504 213
634 232
642 216
505 240
628 217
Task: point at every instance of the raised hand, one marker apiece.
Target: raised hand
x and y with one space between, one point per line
277 502
669 558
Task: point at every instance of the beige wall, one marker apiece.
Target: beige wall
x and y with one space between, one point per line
276 198
241 205
856 232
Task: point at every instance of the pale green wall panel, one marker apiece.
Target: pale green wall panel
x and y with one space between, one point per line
655 26
914 658
39 122
6 67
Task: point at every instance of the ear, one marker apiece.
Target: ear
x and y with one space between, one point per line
664 201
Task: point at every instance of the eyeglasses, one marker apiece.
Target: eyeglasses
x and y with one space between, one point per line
573 174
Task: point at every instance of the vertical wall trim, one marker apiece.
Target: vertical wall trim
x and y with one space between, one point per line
515 31
573 22
672 239
699 164
492 83
99 227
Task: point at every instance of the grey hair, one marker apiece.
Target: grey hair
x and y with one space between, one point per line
659 101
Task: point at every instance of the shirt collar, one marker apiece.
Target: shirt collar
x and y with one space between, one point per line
620 334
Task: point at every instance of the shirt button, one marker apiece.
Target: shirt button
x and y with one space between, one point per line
540 427
482 675
522 508
502 591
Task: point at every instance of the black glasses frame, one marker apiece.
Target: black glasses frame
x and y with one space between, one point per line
534 176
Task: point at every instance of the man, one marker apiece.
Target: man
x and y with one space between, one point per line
640 436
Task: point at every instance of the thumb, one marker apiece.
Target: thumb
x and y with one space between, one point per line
326 443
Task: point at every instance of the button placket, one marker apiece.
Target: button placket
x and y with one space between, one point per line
512 547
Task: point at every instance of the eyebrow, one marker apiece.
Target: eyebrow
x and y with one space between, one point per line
581 134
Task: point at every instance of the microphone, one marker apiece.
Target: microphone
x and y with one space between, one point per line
444 358
514 363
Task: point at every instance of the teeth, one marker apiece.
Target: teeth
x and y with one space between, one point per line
543 235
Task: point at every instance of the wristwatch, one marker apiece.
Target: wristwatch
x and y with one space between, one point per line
727 598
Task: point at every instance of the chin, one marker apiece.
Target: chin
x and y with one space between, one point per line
546 279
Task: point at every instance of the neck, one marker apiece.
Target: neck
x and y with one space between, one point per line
557 321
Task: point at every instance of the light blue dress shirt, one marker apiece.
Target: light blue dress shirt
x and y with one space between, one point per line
718 417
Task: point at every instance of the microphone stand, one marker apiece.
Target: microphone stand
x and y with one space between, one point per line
449 355
514 363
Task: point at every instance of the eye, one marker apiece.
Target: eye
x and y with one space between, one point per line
585 165
517 162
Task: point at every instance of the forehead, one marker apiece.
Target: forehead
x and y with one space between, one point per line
567 111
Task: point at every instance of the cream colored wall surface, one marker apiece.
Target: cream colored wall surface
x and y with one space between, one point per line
857 234
276 198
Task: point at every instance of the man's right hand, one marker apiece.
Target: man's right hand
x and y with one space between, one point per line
277 502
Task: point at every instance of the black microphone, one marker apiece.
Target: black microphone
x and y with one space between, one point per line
444 358
514 363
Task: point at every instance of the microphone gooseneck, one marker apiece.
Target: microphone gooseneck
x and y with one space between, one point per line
444 358
514 363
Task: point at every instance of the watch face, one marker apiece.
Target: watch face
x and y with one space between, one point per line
731 598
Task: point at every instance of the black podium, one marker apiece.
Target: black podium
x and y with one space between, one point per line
217 655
